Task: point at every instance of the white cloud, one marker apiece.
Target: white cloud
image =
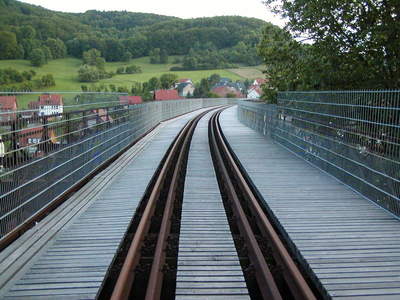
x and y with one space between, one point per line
178 8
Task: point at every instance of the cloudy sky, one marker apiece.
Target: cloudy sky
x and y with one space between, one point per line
178 8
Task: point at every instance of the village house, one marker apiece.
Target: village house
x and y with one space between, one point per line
185 80
48 105
185 89
8 104
30 138
259 81
130 100
160 95
254 92
227 91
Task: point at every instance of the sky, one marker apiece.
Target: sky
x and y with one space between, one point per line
178 8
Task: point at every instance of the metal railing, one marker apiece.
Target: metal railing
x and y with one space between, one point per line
48 150
355 136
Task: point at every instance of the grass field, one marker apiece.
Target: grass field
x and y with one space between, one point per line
249 72
65 72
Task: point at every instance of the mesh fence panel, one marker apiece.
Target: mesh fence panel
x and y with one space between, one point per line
355 136
47 150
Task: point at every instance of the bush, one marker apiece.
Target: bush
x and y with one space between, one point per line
38 58
88 74
47 81
176 69
133 69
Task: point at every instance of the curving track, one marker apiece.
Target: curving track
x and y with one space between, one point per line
202 261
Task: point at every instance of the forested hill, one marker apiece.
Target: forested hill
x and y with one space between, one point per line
24 27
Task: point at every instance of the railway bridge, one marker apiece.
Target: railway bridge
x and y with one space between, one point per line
204 199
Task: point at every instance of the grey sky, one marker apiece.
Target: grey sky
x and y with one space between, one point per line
178 8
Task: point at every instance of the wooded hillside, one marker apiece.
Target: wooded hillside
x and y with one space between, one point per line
117 35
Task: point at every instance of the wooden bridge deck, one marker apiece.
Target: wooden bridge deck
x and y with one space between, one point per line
67 255
208 264
350 245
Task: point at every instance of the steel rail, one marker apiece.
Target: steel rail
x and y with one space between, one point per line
264 278
293 277
154 286
123 286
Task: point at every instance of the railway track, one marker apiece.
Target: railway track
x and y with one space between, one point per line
147 264
255 228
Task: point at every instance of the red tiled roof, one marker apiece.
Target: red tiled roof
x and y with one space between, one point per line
260 81
30 133
8 103
166 95
130 99
223 91
257 88
52 99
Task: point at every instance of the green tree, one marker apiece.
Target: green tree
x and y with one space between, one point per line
57 48
8 45
136 88
89 57
133 69
167 80
154 84
120 70
100 63
113 88
88 74
38 58
47 53
202 89
127 56
359 41
214 79
47 81
155 56
163 57
26 33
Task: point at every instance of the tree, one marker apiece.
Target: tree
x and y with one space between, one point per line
90 57
100 63
154 84
163 57
359 40
214 79
47 53
46 81
168 80
120 70
113 50
8 45
38 58
88 74
127 56
57 48
155 56
113 88
133 69
26 33
203 89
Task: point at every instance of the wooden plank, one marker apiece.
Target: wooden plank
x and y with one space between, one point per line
105 205
208 264
351 244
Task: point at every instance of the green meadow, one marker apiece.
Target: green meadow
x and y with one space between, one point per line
65 72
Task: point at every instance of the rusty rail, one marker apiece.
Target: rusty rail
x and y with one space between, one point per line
175 159
229 170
